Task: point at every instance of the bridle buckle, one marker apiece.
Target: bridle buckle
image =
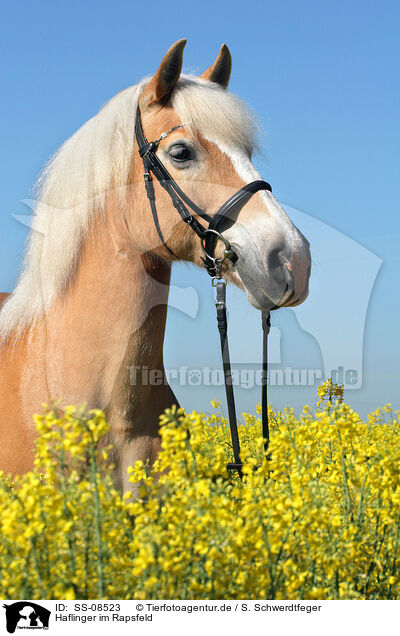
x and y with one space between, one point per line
218 279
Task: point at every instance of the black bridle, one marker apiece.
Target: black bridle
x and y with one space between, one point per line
208 237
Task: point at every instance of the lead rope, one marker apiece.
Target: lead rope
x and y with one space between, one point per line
220 285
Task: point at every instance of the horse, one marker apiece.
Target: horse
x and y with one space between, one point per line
3 297
91 301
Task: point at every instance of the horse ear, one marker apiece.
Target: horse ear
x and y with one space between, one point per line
220 71
163 83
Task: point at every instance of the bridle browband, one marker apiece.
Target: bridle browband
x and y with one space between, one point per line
208 238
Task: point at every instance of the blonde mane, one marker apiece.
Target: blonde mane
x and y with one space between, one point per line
77 178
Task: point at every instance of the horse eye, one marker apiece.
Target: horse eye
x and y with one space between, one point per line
180 153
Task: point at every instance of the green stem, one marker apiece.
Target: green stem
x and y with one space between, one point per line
396 547
37 568
98 525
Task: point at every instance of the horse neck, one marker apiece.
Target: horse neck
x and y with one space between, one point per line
111 318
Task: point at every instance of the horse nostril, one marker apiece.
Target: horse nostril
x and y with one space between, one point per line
276 258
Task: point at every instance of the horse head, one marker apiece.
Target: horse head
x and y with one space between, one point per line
205 138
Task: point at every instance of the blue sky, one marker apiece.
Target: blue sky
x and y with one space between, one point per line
322 77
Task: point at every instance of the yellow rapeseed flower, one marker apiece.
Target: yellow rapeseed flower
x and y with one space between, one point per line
318 519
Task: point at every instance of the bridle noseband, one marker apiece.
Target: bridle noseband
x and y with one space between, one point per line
208 238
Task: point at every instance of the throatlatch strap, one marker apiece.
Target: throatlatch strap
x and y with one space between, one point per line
148 182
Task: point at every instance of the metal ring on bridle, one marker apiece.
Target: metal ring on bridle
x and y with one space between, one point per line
228 252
